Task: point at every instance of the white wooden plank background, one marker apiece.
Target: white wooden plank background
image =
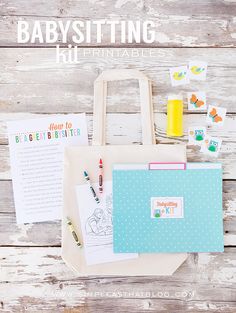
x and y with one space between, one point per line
33 277
30 79
49 285
212 23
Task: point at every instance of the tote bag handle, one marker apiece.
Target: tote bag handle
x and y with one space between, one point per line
100 95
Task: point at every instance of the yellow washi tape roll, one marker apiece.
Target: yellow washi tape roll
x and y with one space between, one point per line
175 116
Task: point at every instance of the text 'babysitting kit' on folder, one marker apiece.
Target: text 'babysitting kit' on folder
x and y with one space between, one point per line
167 208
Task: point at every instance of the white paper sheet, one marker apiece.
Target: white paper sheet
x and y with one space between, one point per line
96 225
36 153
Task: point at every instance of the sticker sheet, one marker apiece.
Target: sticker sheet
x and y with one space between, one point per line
196 135
197 70
179 76
197 101
216 115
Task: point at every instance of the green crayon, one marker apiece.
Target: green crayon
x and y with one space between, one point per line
91 188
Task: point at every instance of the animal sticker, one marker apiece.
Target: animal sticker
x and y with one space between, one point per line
216 115
211 146
197 70
179 75
197 101
196 135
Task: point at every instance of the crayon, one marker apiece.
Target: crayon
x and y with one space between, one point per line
100 176
72 230
90 186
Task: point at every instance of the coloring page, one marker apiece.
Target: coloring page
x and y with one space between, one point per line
96 224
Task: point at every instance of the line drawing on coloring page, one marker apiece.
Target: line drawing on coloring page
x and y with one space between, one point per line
96 225
100 222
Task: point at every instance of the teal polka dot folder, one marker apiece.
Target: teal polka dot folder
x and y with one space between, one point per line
168 210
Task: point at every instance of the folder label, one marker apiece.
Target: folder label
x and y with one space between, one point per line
167 207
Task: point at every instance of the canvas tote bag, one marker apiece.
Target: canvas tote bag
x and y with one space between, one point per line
77 159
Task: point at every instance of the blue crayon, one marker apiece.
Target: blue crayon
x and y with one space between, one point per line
91 188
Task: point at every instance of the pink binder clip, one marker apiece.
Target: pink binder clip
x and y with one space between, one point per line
167 166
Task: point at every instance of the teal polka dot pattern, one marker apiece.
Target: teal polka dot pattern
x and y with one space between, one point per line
201 229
